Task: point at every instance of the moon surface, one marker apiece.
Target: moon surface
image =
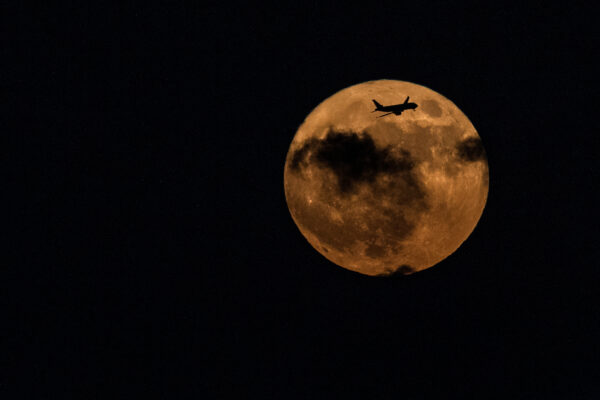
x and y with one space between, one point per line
390 195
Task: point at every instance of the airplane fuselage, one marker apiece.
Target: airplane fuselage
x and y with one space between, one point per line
395 108
398 107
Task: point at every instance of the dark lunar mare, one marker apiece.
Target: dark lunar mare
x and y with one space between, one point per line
471 150
398 272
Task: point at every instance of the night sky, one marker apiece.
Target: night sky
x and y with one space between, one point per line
150 251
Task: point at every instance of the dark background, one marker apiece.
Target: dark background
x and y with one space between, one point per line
150 251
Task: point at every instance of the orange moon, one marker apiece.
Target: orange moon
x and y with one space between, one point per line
390 195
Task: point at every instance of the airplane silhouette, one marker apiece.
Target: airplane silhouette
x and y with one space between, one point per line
394 109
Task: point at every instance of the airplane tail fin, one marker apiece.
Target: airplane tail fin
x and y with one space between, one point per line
377 105
406 101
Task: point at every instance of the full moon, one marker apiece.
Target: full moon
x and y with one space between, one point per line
384 195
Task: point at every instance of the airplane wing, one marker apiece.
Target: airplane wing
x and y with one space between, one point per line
398 112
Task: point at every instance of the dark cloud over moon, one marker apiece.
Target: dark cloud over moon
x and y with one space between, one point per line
390 191
352 157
